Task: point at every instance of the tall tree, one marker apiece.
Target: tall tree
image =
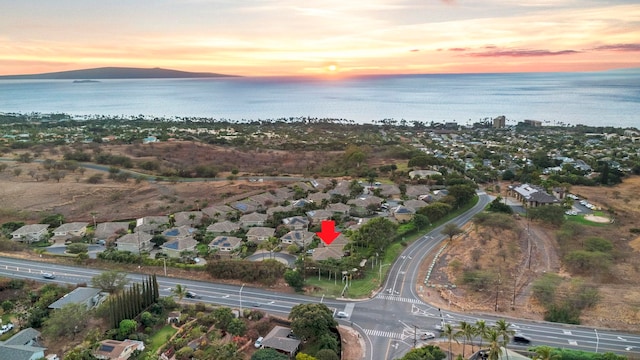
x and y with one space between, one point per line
451 230
450 333
505 332
310 321
495 345
110 281
66 321
179 291
481 330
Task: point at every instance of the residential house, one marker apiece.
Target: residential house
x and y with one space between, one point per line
223 227
187 218
341 189
278 209
335 250
245 206
532 195
403 214
110 230
253 219
225 244
362 206
24 345
259 234
279 340
301 203
415 191
298 237
30 233
318 197
179 232
91 297
152 224
218 211
317 216
173 248
282 194
72 229
390 191
117 350
339 208
415 204
135 243
265 199
296 223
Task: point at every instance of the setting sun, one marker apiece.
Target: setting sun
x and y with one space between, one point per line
332 68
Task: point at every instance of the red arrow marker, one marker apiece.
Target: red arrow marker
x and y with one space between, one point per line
328 233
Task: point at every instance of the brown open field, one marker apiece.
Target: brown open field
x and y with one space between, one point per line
619 306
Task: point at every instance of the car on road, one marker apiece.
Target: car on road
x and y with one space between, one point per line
342 315
258 342
48 276
521 339
427 335
192 295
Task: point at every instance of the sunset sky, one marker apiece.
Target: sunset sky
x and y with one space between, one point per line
340 37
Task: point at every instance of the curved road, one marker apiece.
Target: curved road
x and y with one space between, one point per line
387 323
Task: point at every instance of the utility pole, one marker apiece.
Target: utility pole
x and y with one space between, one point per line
497 290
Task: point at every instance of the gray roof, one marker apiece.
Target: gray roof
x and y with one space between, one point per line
23 337
30 229
73 226
139 237
277 339
19 352
80 295
223 227
225 242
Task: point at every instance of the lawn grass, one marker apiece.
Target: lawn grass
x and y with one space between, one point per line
362 288
160 338
581 220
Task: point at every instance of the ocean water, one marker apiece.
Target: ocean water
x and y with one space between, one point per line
598 99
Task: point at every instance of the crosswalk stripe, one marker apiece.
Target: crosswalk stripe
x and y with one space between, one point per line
400 299
380 333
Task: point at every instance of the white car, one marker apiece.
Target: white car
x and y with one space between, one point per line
6 328
342 315
427 335
258 342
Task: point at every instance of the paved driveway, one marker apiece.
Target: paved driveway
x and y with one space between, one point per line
287 259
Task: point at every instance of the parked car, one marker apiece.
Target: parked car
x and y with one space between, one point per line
48 276
6 328
258 342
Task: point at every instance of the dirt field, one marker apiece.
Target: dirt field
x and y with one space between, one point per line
25 199
619 306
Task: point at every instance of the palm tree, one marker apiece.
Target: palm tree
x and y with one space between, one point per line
481 330
451 335
493 338
466 332
505 332
545 353
179 291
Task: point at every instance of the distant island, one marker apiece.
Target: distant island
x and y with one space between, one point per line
115 73
85 81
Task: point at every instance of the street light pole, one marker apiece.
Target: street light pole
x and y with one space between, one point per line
165 265
597 340
241 287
